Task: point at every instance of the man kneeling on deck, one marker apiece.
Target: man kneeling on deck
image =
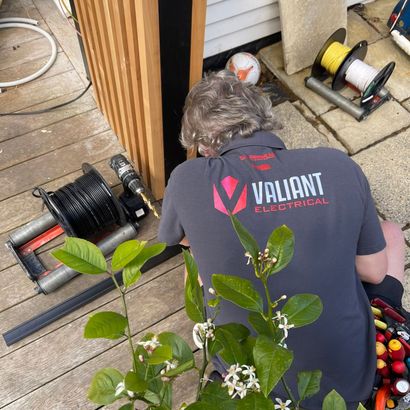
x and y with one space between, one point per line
341 249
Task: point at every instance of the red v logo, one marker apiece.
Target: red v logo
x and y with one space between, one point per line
229 185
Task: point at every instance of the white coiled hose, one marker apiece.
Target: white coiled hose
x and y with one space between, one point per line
16 22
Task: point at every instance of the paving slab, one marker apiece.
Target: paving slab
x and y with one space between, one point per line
359 29
297 132
317 123
383 52
406 104
305 29
272 57
377 14
386 120
387 167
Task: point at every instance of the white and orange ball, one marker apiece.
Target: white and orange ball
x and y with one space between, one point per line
245 66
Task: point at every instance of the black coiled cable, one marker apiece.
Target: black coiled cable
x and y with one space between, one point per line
84 207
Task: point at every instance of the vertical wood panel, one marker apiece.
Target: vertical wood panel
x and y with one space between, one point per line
197 49
148 34
122 47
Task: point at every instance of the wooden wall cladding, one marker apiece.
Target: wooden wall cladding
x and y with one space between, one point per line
121 41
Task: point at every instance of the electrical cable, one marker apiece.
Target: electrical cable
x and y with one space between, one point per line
84 207
49 108
17 22
360 74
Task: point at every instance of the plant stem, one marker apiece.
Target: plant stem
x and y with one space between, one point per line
203 368
129 334
291 397
268 299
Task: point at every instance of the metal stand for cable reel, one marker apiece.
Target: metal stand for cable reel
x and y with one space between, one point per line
25 242
371 99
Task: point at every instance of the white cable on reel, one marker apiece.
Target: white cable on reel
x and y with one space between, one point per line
360 74
16 22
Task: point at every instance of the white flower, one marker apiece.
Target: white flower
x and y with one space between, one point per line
202 332
173 364
240 380
253 384
150 345
121 388
285 328
249 256
249 371
240 390
283 324
282 405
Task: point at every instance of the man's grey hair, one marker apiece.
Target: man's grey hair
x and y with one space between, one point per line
221 107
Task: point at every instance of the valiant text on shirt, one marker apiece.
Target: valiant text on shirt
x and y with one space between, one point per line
294 192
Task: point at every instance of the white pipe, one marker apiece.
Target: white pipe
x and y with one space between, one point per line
401 41
15 22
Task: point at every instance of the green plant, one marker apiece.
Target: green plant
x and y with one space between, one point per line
256 363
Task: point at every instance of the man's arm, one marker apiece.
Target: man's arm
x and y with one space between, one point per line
372 268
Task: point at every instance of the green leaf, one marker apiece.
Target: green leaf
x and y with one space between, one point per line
247 240
103 385
81 256
260 324
361 407
127 406
238 331
281 244
130 274
132 271
232 352
125 253
199 405
271 362
333 401
255 401
194 300
239 291
308 383
135 383
108 325
160 355
303 309
180 348
213 302
180 369
217 396
247 347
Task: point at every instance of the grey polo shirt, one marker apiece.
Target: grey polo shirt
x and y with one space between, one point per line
324 197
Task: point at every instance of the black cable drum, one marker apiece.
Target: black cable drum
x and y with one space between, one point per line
84 207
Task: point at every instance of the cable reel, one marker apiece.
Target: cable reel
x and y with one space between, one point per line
346 66
84 207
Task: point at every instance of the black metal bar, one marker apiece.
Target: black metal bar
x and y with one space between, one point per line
51 315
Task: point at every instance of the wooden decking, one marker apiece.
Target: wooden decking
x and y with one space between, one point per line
52 368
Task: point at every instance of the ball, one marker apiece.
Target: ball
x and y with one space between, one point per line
245 66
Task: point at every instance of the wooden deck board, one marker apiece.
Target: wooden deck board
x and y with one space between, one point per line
61 65
68 391
62 161
23 371
65 34
43 89
16 125
13 38
37 304
51 368
25 52
59 135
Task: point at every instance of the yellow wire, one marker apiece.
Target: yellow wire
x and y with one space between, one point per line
334 57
